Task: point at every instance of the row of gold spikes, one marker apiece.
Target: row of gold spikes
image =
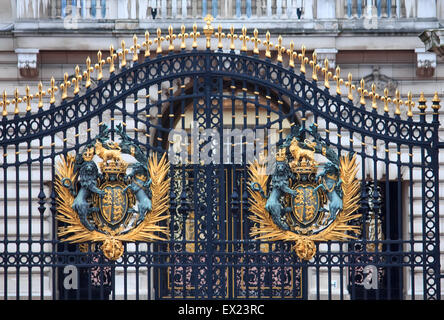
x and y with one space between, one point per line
208 31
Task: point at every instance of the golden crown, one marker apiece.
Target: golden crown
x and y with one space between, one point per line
113 167
88 154
281 154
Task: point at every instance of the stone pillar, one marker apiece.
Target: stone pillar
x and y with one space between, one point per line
308 9
27 62
425 63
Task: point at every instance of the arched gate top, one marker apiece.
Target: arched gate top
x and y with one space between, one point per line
305 91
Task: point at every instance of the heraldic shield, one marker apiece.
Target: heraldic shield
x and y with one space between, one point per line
303 205
104 203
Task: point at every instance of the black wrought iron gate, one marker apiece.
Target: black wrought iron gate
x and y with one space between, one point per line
209 253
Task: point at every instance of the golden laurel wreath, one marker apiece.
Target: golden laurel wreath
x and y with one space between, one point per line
304 245
112 247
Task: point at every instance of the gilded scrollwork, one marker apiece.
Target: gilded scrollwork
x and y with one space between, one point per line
295 207
96 202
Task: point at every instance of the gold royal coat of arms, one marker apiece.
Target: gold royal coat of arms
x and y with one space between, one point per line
102 203
303 205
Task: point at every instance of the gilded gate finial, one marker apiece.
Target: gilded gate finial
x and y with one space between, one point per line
397 102
267 43
422 103
53 90
64 86
40 95
170 37
27 98
338 80
303 59
195 34
219 35
134 48
373 95
315 66
291 55
435 103
244 38
409 104
76 80
350 86
280 49
256 41
386 100
99 65
182 35
87 72
147 43
16 101
111 58
4 104
208 29
123 53
362 92
327 74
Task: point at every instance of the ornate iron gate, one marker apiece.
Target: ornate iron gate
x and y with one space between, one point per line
209 253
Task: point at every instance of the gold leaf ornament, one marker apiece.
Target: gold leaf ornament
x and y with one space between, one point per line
304 245
112 242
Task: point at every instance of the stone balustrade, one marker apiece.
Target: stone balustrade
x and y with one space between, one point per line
102 11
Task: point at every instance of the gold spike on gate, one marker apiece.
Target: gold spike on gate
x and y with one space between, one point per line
87 72
16 101
327 74
362 92
40 95
77 80
4 104
256 42
123 53
409 104
244 38
64 86
195 34
350 86
159 41
99 65
291 55
147 43
280 49
219 35
339 81
314 64
27 98
170 37
135 49
183 36
268 44
374 96
303 59
397 102
386 100
52 91
111 58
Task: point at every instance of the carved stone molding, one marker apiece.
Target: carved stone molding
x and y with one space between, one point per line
381 82
425 63
327 53
27 62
